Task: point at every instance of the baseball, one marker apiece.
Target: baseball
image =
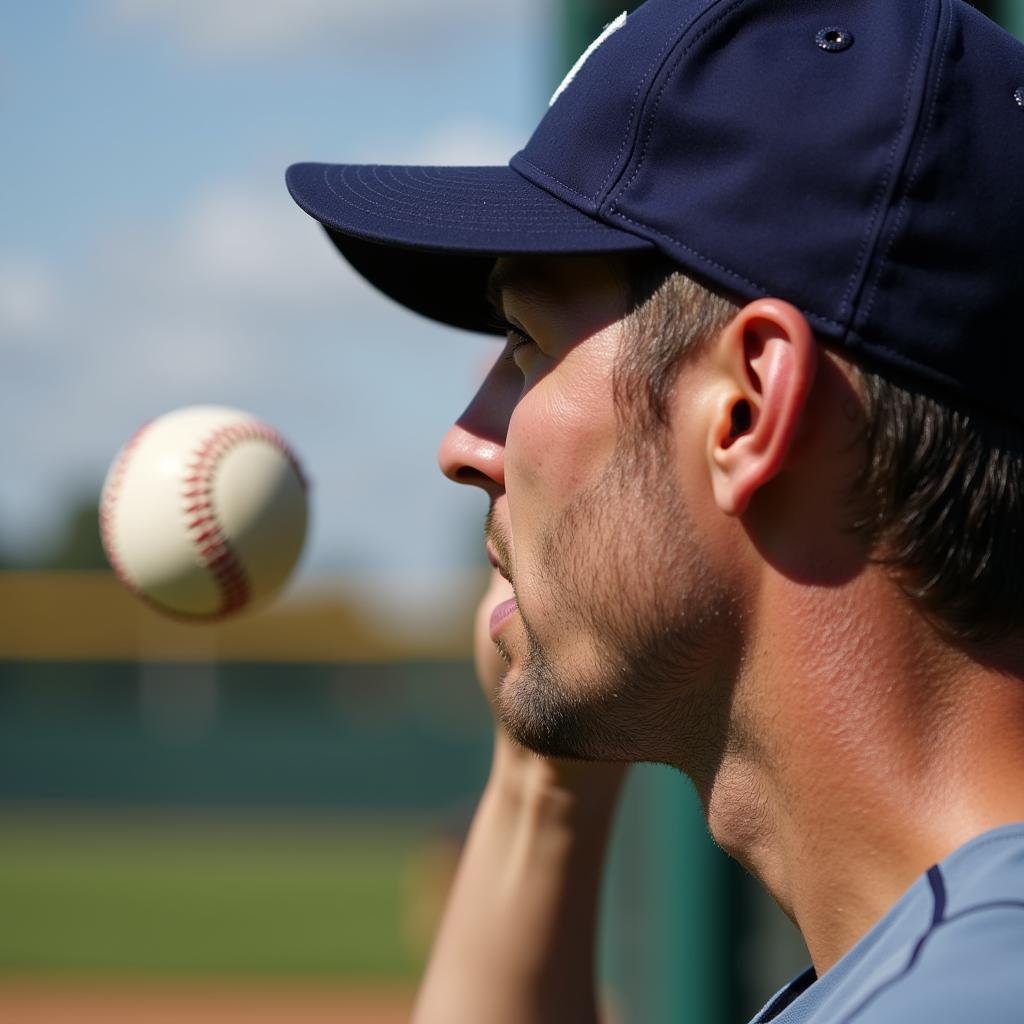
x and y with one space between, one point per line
203 512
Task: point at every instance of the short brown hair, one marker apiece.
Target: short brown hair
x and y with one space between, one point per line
675 317
940 497
940 500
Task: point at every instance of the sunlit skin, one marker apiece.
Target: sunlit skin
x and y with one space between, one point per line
573 503
514 941
695 598
487 659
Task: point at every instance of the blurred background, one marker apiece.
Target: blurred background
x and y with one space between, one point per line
259 821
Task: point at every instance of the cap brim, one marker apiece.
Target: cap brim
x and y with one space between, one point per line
428 236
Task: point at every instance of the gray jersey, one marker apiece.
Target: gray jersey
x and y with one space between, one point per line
951 950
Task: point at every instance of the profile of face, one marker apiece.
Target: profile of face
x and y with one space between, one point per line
618 614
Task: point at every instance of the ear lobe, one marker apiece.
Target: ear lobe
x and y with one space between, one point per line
767 357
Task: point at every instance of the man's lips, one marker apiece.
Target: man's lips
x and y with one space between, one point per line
500 615
505 609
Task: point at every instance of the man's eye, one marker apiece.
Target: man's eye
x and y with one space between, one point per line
516 340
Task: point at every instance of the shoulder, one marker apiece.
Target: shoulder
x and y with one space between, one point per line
969 964
951 951
967 968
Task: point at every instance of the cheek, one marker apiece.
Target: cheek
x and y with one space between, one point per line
560 437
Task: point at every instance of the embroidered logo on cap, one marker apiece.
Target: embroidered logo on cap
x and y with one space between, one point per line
609 29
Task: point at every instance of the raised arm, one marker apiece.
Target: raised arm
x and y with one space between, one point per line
516 943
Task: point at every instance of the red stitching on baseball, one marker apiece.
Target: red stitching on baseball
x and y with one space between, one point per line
215 552
216 556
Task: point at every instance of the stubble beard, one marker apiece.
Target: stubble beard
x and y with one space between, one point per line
628 587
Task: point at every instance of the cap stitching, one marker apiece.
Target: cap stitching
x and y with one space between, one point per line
901 209
393 194
377 209
669 43
387 198
861 269
862 253
557 181
718 266
413 193
428 185
661 92
409 190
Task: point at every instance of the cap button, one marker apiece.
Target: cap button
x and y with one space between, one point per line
834 39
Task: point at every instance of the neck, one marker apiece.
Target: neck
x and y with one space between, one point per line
864 749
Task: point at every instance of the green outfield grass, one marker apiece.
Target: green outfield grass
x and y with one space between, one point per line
148 897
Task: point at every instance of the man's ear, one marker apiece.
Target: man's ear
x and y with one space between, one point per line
764 366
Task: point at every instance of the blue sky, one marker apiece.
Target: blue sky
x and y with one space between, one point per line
151 258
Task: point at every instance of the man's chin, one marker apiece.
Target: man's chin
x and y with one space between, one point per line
539 742
537 715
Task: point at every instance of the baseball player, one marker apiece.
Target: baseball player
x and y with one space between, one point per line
754 455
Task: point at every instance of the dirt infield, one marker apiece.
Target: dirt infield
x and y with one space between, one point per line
92 1003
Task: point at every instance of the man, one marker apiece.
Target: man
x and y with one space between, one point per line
754 455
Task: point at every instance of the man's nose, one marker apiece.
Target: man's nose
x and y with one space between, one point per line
473 450
468 458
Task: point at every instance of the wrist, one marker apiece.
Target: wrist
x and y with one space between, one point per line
522 777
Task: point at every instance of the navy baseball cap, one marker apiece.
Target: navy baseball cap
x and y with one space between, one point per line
862 159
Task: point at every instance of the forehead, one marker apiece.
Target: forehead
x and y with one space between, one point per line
555 280
513 275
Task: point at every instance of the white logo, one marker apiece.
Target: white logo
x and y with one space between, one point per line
610 29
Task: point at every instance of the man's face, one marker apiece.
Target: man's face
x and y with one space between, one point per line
616 603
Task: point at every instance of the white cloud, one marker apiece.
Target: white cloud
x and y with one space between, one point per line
237 247
245 27
459 141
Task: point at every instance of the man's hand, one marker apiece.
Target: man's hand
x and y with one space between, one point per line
517 940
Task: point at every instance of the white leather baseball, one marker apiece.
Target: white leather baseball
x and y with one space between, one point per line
204 512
